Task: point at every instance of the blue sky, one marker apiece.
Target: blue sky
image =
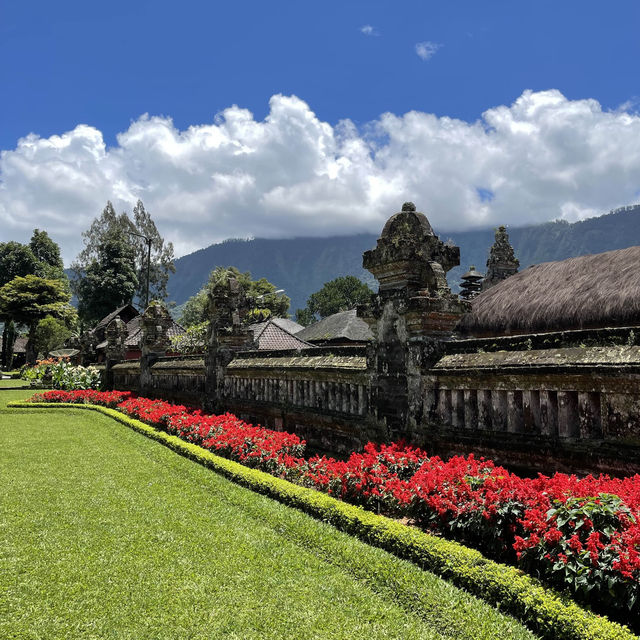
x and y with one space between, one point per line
106 64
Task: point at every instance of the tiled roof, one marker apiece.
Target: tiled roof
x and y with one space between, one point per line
340 326
127 310
271 335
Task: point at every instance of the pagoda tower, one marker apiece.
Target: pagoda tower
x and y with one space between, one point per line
471 284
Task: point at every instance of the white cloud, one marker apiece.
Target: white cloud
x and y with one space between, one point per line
543 157
369 30
426 50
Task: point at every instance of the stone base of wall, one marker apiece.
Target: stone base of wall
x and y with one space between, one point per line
530 455
331 434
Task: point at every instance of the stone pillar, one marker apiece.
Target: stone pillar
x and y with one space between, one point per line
410 317
500 409
515 421
156 321
590 415
531 411
484 409
548 413
227 333
116 349
470 409
568 421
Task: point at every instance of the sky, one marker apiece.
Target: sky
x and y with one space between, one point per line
284 119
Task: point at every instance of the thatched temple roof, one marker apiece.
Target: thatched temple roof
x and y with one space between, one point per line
600 290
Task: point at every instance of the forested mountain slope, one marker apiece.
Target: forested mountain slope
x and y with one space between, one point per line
302 265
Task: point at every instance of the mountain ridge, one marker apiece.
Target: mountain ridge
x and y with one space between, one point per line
302 265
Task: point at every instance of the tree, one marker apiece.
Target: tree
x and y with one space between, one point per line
194 310
27 300
50 333
161 256
40 258
16 260
340 294
105 228
109 280
266 301
47 253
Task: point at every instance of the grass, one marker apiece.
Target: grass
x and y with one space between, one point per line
9 384
106 534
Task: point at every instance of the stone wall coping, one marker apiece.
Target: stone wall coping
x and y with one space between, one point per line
547 340
572 357
179 364
329 351
326 362
127 364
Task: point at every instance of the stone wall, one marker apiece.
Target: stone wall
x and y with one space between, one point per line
543 402
568 408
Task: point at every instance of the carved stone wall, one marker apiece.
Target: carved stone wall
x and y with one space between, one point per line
411 315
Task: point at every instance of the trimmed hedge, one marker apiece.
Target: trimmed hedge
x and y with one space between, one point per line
546 612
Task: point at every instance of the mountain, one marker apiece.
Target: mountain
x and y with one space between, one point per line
301 266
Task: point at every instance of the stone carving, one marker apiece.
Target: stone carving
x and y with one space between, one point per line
410 316
116 336
156 321
502 261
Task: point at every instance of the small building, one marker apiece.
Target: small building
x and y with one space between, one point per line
19 352
340 329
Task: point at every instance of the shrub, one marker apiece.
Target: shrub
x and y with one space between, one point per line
59 373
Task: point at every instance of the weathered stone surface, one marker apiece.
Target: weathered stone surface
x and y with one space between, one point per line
502 261
592 358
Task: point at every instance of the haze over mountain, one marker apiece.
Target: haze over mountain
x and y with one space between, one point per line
302 265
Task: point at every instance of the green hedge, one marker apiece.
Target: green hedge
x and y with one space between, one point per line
546 612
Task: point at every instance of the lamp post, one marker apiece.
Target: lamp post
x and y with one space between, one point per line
148 241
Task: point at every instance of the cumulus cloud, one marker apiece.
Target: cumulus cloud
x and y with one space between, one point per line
291 174
426 50
369 30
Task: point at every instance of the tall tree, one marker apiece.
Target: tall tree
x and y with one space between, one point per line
27 300
340 294
104 229
108 281
161 256
47 253
41 258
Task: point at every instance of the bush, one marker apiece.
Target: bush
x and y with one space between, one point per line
60 374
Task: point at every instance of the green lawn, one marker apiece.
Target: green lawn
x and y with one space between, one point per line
106 534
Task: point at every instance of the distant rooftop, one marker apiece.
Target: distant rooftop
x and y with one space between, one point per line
344 326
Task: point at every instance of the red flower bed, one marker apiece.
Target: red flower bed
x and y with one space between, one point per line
85 396
580 534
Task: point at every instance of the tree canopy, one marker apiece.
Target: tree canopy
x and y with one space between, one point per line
262 294
109 280
340 294
29 299
40 258
111 237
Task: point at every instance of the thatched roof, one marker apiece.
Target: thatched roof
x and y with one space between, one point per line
594 291
340 327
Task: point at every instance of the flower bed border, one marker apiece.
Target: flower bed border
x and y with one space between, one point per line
543 610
